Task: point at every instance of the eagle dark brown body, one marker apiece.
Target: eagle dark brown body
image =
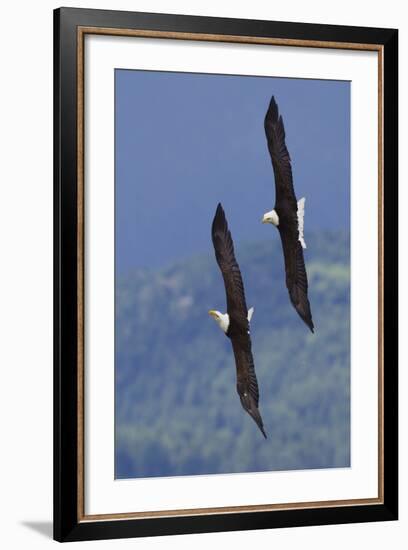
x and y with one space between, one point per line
238 328
286 208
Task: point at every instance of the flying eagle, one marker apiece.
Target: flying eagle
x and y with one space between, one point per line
235 323
287 215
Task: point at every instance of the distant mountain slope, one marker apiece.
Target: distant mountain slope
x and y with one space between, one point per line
177 410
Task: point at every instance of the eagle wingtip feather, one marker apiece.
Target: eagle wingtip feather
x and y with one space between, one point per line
259 422
260 425
220 220
219 213
273 111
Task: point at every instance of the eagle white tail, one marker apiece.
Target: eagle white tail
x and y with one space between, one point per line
250 313
301 219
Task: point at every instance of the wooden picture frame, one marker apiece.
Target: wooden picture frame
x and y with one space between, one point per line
71 26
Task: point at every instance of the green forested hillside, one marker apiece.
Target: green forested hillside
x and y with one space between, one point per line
177 410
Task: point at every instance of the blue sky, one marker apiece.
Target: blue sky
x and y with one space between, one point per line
186 141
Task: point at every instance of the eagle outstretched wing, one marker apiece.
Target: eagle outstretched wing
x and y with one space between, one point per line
238 330
287 208
225 256
281 163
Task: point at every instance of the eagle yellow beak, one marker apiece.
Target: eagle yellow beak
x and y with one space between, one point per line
264 219
213 313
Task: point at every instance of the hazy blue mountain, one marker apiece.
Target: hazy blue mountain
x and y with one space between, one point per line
177 410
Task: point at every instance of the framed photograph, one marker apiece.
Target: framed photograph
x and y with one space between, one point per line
225 274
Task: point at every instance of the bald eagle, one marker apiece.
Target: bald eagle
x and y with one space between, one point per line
287 215
235 323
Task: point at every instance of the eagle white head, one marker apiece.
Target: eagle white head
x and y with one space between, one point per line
271 217
223 320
